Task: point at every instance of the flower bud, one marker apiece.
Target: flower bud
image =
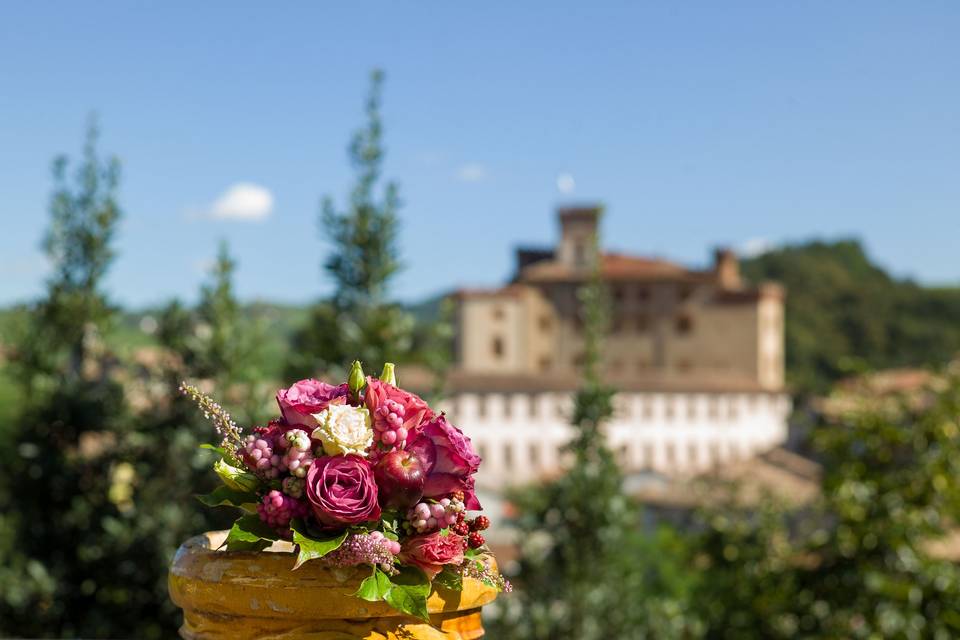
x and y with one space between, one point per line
356 380
389 374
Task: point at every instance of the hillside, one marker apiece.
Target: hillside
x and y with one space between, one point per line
845 314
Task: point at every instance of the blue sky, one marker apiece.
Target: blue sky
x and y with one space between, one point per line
698 124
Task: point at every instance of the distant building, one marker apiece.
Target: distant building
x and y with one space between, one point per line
697 357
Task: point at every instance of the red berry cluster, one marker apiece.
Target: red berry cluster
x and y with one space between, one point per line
475 540
478 524
460 527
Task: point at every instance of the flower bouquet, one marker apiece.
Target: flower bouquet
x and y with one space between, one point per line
361 473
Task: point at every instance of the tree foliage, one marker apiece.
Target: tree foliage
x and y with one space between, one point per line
98 495
73 558
862 561
846 315
359 321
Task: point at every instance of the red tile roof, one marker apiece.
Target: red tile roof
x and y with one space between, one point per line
614 266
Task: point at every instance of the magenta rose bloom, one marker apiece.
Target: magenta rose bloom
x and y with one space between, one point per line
342 491
413 408
431 551
308 397
450 459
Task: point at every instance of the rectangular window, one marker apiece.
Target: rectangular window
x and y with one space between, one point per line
713 409
648 408
507 456
534 454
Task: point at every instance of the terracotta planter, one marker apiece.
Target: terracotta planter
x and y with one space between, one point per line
240 595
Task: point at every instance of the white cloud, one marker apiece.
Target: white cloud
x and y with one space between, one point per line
243 201
566 184
472 172
754 247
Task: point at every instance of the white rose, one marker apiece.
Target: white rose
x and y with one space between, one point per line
344 429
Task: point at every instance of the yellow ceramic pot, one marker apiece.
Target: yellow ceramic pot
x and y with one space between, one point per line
241 595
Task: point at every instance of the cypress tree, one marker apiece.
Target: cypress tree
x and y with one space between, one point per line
359 321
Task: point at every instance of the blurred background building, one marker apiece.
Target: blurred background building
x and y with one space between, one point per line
696 355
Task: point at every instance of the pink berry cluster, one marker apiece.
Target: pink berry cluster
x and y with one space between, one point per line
429 516
259 451
271 453
388 425
365 548
298 456
277 510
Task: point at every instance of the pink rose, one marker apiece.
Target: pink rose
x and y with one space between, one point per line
449 457
431 551
308 397
342 491
415 409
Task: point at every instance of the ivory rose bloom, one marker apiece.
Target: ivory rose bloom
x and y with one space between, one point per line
344 429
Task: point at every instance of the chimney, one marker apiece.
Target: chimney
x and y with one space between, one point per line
578 236
726 268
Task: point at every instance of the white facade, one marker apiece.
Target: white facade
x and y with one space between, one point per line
520 435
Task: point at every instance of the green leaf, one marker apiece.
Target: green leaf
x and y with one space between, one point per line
235 478
408 592
375 587
449 578
249 533
227 496
215 448
312 547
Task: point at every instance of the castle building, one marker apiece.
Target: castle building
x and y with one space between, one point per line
697 357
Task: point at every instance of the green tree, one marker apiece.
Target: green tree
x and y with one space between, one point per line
845 314
83 219
72 554
862 562
585 570
359 321
218 341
